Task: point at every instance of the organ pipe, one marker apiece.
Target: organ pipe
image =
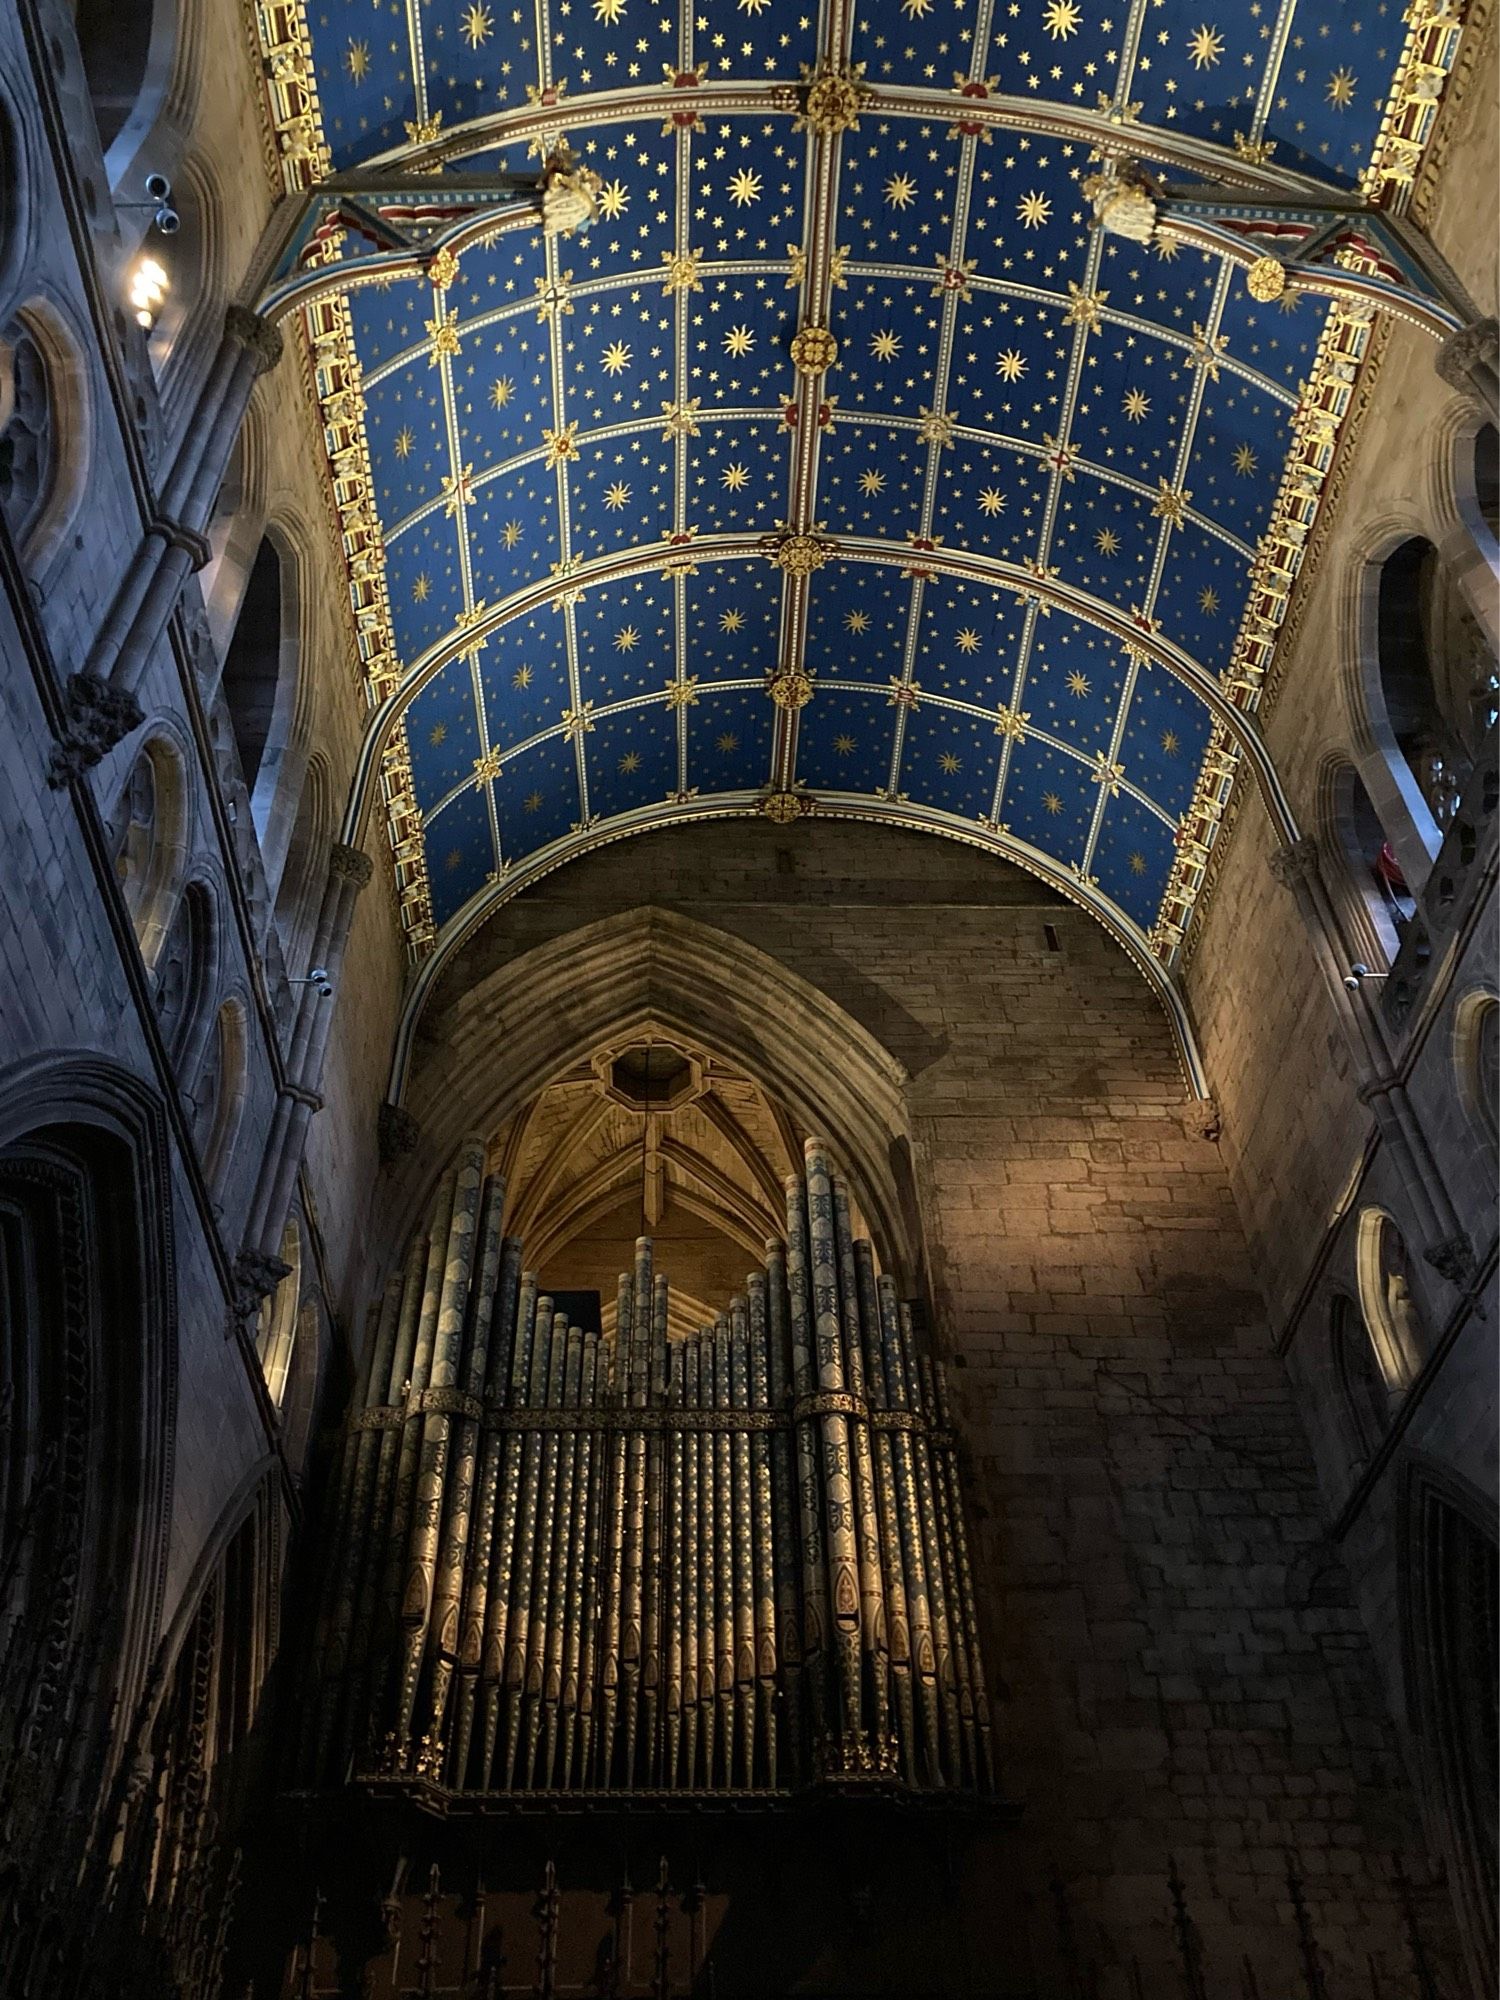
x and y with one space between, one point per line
560 1561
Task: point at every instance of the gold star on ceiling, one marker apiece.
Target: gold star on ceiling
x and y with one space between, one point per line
1170 742
437 734
421 588
608 11
1052 802
727 742
1208 599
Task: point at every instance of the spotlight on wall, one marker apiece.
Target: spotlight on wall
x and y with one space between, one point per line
159 200
318 977
148 288
1356 976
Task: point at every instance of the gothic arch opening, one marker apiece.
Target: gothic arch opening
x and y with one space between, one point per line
1436 672
148 831
1391 1314
650 970
260 671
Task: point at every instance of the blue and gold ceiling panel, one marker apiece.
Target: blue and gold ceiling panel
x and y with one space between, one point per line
736 475
845 745
460 849
1075 677
536 796
949 760
443 735
523 669
1165 735
733 618
871 480
609 427
858 623
1046 797
632 759
729 739
1131 854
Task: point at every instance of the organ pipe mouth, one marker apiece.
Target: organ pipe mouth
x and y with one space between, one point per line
566 1562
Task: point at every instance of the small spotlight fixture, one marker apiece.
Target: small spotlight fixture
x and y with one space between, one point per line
159 200
148 288
1356 976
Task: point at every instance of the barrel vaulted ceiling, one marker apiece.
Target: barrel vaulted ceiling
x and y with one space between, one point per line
972 565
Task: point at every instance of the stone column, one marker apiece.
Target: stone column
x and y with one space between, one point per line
101 699
1444 1244
257 1267
1469 360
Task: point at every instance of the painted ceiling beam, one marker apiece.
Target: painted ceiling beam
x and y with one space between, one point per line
693 99
1049 592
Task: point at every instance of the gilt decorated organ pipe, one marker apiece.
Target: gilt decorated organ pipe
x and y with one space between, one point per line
560 1561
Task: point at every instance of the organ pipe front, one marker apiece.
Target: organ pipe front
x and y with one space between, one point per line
561 1562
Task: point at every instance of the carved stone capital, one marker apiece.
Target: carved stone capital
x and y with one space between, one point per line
248 330
1452 1258
99 715
1470 360
1377 1087
350 864
397 1131
177 535
256 1275
1201 1120
1294 863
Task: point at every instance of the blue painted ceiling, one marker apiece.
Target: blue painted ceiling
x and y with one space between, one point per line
562 407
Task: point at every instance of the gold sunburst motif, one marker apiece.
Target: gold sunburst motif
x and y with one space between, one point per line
992 501
1205 46
834 97
1136 863
790 689
511 533
532 802
617 496
1137 404
1107 542
681 274
738 342
421 588
1341 86
731 621
1051 802
967 640
501 391
629 764
1208 599
871 482
1011 366
1266 279
814 349
950 763
477 25
885 346
1078 684
614 199
627 639
1033 210
438 734
616 358
1060 18
843 745
735 478
1244 460
856 622
744 187
404 441
1011 722
521 679
357 60
1171 743
609 12
900 191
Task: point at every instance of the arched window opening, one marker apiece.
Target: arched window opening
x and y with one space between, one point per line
218 1091
1487 477
27 445
276 1331
302 875
148 837
1366 1398
1372 862
1437 675
182 972
1386 1300
114 40
252 666
1476 1045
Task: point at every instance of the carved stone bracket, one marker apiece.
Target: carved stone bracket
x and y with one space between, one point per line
1294 863
1201 1119
1470 360
398 1132
350 864
248 330
99 715
256 1276
1452 1258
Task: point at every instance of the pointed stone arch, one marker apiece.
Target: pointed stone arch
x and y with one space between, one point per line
520 1025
